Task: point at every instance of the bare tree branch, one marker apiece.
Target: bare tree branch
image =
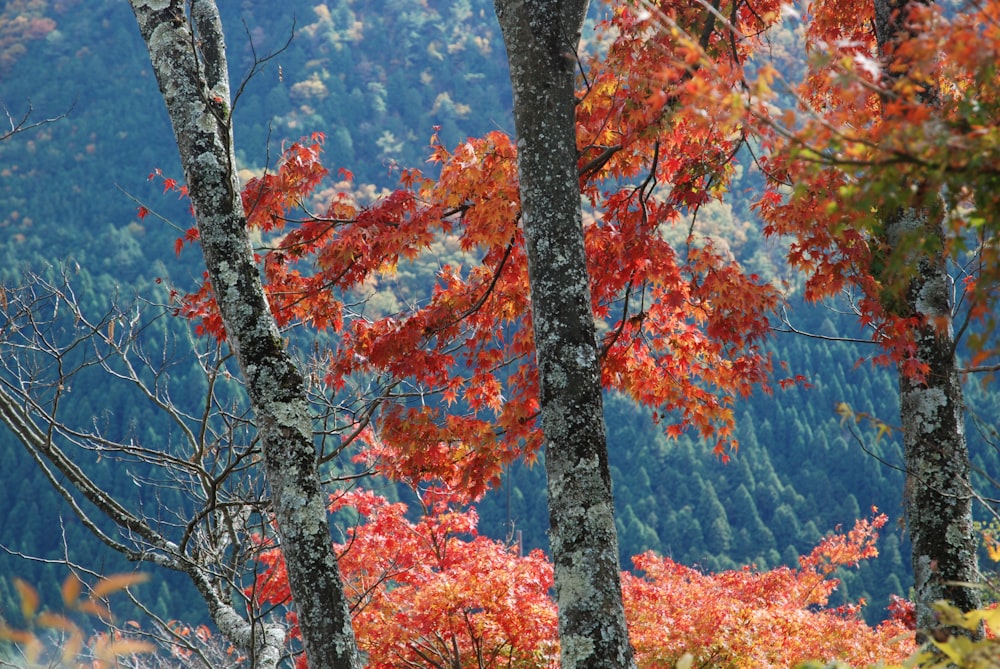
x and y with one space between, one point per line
23 123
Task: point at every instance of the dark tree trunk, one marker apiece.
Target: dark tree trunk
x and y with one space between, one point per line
541 37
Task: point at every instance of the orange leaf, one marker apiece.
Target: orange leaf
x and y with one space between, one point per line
55 621
71 589
94 608
121 647
20 637
29 598
117 582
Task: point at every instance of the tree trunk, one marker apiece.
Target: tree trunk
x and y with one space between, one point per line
939 491
541 37
188 58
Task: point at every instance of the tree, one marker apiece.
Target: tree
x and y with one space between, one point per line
211 502
542 40
448 391
939 488
187 52
889 168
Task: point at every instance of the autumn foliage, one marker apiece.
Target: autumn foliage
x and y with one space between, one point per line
746 618
20 22
455 393
443 389
432 592
859 132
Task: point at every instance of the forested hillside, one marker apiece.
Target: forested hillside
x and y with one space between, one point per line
379 78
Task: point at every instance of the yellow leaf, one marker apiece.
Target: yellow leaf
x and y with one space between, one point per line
952 616
844 410
71 589
117 582
956 648
685 661
29 598
992 547
991 617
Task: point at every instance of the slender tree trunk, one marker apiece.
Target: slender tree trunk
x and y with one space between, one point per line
541 38
188 57
939 490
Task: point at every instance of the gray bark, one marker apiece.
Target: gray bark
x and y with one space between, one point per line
188 57
541 39
939 490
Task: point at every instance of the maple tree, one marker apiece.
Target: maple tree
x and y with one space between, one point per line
432 592
747 618
683 330
456 393
890 195
440 391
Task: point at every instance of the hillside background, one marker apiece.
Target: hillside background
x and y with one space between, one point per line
377 77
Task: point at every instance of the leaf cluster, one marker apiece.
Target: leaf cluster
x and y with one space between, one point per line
869 140
432 592
44 628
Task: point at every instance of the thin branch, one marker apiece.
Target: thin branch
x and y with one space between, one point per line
24 124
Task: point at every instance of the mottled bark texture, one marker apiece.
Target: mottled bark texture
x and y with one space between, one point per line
541 37
939 490
187 51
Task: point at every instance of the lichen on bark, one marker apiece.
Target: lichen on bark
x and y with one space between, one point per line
187 52
541 38
939 492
